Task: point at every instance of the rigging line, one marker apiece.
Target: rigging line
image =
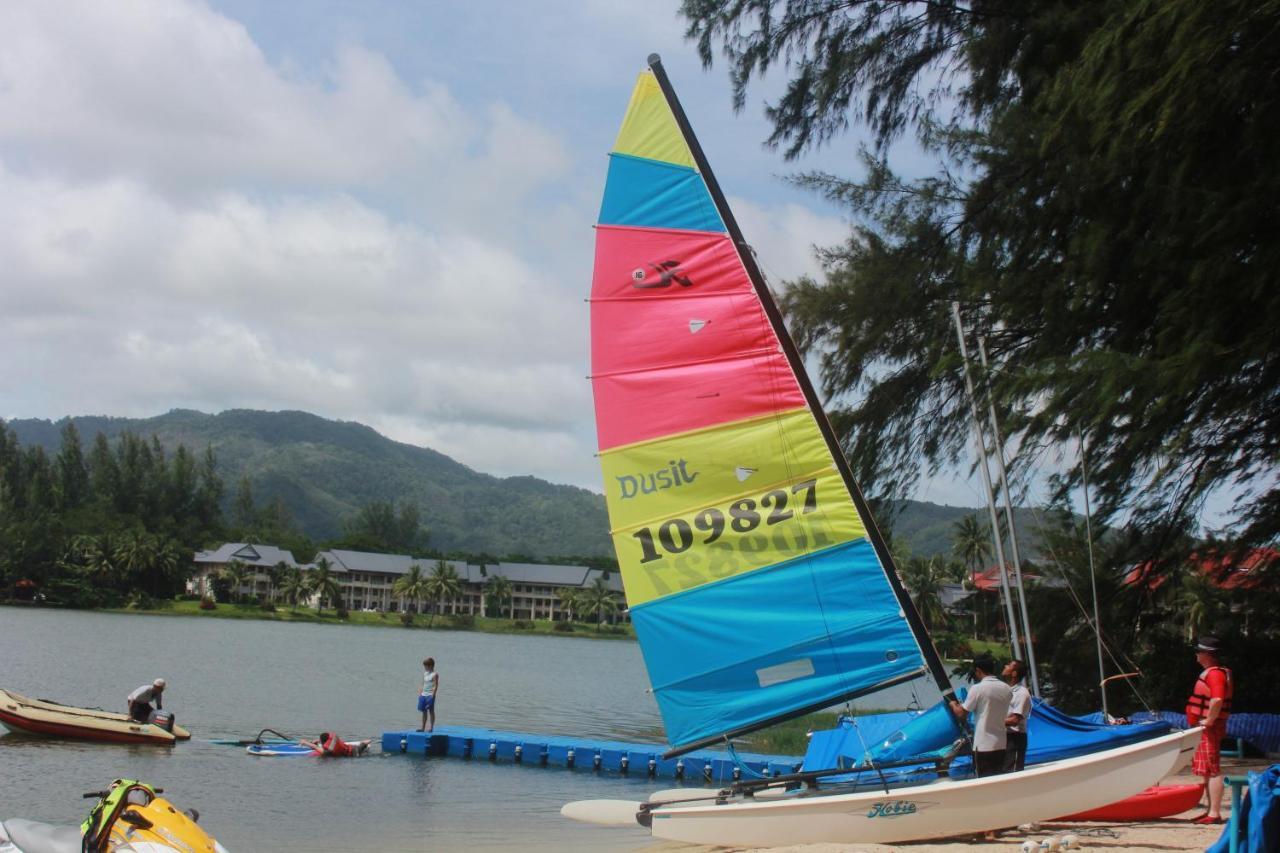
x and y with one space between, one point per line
1127 661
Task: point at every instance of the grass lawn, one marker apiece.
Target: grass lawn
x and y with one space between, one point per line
489 625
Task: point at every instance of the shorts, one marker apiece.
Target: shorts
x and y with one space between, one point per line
1205 762
988 763
425 702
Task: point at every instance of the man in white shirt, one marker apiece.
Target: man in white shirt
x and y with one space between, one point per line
140 700
988 701
1015 754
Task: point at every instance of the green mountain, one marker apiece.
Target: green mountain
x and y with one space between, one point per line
325 471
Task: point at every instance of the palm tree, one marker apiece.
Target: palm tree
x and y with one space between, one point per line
293 585
275 574
971 542
411 585
923 578
165 557
443 583
236 572
322 582
599 601
135 554
500 591
1200 600
570 600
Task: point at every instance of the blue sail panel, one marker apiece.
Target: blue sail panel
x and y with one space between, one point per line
811 631
652 194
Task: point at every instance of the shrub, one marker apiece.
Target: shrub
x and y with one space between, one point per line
463 620
341 612
208 603
266 606
563 627
406 619
523 625
188 596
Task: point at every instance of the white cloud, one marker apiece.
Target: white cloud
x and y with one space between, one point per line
187 221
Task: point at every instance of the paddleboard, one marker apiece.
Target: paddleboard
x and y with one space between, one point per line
280 750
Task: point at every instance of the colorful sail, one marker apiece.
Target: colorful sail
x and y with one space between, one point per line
752 583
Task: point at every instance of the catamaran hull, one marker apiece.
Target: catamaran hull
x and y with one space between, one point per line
932 811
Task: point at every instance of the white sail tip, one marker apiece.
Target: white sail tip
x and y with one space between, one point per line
602 812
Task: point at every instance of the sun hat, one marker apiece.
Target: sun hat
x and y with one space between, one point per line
1208 644
159 682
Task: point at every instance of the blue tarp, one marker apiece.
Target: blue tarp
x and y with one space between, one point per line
1051 736
1260 815
1261 730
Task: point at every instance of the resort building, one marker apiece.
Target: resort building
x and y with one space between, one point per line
258 560
367 581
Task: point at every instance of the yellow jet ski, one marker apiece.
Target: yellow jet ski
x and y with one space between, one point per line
129 817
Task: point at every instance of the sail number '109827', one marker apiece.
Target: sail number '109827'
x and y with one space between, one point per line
677 535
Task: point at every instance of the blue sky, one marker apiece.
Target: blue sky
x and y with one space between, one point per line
374 211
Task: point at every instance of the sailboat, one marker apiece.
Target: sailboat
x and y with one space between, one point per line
757 582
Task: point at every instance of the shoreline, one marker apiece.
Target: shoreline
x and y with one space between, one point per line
441 622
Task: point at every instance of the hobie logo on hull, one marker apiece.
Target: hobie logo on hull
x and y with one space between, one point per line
897 808
675 474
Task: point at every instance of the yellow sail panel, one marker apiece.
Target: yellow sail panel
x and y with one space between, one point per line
649 129
696 508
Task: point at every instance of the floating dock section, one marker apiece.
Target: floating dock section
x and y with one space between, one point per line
711 767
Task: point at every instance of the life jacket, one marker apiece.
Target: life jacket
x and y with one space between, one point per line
1198 701
331 744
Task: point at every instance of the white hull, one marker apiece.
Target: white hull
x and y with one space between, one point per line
936 810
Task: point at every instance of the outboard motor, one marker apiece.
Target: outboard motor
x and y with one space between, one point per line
163 719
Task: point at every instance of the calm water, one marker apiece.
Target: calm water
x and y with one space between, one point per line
231 678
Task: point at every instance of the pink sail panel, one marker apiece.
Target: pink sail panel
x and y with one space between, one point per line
655 334
680 340
661 263
639 406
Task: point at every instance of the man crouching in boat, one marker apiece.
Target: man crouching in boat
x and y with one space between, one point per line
140 700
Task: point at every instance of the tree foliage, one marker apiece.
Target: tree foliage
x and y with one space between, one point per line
1102 210
112 525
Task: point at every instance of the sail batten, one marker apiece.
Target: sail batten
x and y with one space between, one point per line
755 579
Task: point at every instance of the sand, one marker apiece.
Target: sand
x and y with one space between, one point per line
1169 834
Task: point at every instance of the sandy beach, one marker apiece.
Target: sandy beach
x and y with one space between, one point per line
1169 834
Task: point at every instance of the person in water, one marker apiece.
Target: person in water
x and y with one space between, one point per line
988 701
1015 723
1209 706
140 700
329 743
427 696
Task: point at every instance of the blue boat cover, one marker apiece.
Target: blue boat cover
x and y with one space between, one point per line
1051 736
1260 815
1261 730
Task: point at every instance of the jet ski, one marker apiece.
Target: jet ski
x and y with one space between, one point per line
129 817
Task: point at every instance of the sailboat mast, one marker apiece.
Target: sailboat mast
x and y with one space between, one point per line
1014 642
930 654
998 443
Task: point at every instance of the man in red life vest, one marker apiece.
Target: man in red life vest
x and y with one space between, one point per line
1209 706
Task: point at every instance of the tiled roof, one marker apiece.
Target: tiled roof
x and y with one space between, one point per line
247 553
